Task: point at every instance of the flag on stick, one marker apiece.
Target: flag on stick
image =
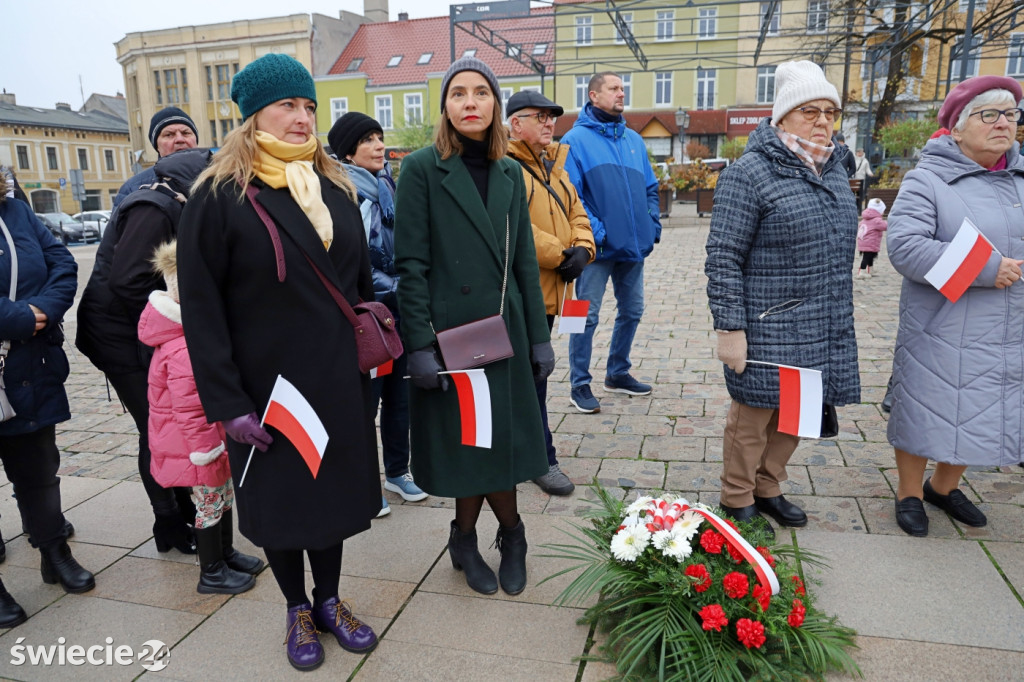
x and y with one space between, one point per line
291 414
961 262
800 401
382 370
474 406
573 318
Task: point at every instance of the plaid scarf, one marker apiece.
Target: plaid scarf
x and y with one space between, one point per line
813 155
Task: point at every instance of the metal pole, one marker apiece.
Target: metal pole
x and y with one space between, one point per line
968 40
869 147
451 31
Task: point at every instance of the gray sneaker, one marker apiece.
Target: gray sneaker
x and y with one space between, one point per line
554 482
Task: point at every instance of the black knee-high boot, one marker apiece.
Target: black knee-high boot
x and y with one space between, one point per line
216 576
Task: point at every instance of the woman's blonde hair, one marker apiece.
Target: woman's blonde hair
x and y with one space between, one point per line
235 161
447 141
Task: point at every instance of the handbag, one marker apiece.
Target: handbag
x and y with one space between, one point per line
6 409
829 421
479 342
377 339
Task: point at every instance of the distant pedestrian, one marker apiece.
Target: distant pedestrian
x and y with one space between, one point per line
869 235
845 155
862 167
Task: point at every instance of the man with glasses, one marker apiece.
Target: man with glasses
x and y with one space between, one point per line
561 229
609 167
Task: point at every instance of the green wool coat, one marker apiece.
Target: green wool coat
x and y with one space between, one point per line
449 252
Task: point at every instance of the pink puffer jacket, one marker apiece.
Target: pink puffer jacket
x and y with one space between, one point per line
186 450
869 231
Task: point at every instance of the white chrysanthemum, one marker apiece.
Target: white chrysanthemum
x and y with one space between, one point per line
639 505
672 544
688 524
631 520
630 542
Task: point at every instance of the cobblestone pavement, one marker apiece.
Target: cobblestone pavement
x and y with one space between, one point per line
944 607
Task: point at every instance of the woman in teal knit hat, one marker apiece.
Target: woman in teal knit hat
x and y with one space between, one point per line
255 310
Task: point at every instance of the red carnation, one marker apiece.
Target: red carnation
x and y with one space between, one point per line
700 572
736 585
762 596
712 541
796 616
800 589
750 633
714 617
734 553
767 556
731 525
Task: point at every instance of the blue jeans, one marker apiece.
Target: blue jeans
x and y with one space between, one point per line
628 284
391 392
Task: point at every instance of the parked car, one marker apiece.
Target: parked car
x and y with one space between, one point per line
98 219
67 229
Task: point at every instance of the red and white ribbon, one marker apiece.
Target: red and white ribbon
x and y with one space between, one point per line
765 575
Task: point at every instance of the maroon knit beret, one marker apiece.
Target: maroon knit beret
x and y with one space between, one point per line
965 91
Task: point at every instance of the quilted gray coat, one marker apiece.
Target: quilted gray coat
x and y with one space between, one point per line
779 265
958 367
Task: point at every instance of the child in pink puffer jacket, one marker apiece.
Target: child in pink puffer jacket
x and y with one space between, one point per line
186 449
869 235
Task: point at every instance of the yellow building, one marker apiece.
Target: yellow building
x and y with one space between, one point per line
42 146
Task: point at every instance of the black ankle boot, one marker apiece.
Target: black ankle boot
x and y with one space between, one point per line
59 566
511 543
234 559
217 577
11 613
170 531
466 557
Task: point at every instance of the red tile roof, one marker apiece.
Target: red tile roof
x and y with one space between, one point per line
377 43
635 120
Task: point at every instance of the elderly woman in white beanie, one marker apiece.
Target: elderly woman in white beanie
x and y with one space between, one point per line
782 238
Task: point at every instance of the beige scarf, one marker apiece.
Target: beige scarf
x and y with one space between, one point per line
281 164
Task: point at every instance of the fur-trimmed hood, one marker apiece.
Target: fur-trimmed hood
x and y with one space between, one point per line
161 320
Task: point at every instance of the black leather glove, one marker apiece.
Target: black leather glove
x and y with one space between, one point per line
576 258
542 357
424 365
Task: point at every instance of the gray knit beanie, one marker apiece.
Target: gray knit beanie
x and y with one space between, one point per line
468 64
270 78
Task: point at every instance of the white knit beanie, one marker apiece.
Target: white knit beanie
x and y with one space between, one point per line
797 83
877 204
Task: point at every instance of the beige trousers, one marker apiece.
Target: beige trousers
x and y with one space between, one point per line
754 454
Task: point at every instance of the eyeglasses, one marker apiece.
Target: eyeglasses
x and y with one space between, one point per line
542 117
812 113
992 115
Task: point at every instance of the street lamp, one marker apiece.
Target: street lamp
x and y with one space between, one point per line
683 122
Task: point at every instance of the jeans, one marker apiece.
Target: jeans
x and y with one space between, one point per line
391 392
628 284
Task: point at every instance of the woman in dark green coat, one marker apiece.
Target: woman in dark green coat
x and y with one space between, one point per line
455 201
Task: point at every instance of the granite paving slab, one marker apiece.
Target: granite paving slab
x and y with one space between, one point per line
893 659
605 445
627 473
849 482
438 663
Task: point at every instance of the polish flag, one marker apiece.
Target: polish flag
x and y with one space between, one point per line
474 407
573 319
961 262
291 414
382 370
800 401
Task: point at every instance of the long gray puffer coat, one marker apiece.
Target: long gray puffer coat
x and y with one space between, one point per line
780 257
958 367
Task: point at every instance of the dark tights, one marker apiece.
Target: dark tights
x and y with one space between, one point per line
288 570
503 504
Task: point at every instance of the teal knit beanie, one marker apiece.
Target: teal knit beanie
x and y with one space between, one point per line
270 78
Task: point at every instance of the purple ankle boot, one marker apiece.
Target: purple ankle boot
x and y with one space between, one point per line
336 617
304 650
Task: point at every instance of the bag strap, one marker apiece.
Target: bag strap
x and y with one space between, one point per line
5 346
504 277
548 187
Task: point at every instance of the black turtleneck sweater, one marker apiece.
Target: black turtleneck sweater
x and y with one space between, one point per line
474 156
604 117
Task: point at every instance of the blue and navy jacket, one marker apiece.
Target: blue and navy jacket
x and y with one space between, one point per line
608 165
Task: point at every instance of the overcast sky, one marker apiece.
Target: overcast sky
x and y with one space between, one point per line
49 44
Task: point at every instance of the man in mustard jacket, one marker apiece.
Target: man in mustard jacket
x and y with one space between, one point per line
561 229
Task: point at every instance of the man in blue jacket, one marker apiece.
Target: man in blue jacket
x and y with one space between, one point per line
608 165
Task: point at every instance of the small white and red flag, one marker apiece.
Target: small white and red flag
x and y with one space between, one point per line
290 413
573 319
474 406
800 401
961 262
382 370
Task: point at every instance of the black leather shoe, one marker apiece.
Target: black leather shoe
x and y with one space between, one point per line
911 518
748 513
782 510
956 505
59 566
11 613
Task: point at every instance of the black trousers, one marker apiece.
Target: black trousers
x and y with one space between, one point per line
31 461
867 259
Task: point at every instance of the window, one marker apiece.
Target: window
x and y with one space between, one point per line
383 106
817 16
108 157
627 89
22 157
664 28
223 80
226 126
581 92
156 86
707 24
505 94
469 53
339 107
171 86
395 61
213 132
425 58
354 64
1015 63
83 158
584 30
979 6
184 85
51 158
413 109
540 48
662 88
773 23
765 84
705 88
209 82
956 62
876 63
627 19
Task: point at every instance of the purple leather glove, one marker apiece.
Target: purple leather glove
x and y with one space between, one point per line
246 429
